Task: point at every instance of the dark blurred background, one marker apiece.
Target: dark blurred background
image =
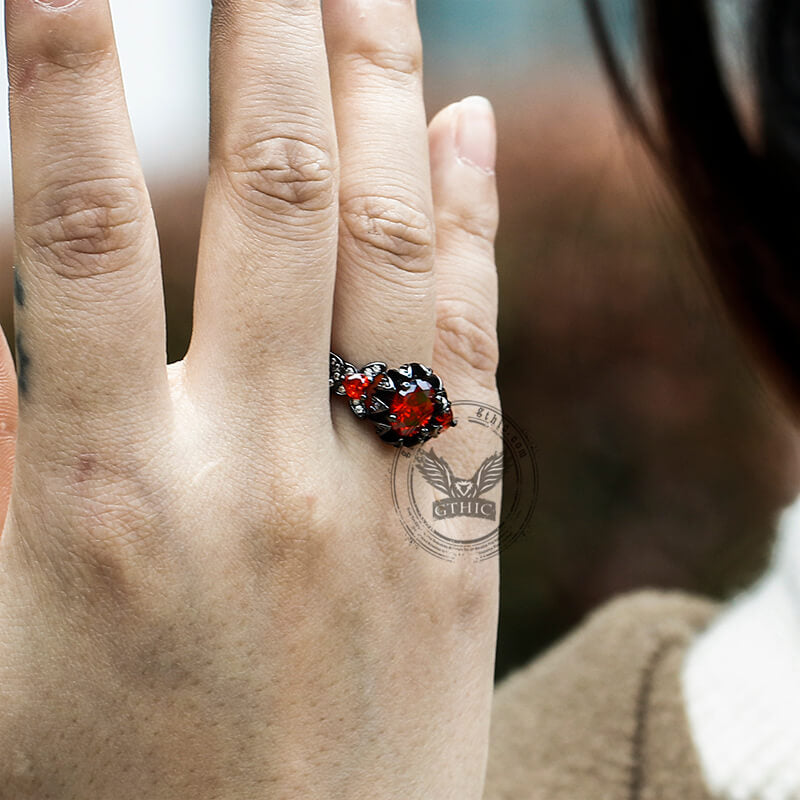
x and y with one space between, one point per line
663 461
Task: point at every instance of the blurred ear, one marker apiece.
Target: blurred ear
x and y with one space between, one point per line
8 423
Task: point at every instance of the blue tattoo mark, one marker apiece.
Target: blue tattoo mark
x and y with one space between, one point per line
19 289
23 362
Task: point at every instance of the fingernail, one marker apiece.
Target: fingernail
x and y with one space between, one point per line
476 134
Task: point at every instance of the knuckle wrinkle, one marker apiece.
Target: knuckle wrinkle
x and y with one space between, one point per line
87 228
282 175
390 227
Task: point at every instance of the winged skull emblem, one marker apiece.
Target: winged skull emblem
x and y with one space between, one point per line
437 473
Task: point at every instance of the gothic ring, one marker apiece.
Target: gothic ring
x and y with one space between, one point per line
408 405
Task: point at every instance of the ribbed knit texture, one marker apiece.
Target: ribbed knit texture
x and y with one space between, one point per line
741 680
601 715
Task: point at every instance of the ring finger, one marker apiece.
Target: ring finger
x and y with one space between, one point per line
384 305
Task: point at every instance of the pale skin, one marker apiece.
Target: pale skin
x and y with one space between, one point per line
204 589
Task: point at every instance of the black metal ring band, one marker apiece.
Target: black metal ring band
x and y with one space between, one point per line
408 404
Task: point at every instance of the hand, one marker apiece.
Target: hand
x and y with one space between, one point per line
204 589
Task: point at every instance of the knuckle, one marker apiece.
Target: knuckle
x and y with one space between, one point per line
402 62
110 514
283 175
295 506
475 599
468 332
228 15
114 532
478 223
465 594
93 227
68 63
63 58
117 501
290 526
390 227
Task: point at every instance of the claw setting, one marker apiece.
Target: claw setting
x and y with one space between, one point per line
408 405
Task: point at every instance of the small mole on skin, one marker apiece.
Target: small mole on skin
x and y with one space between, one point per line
86 465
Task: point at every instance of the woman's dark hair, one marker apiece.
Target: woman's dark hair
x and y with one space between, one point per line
740 191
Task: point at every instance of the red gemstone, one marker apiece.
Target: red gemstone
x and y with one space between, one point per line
355 385
359 387
445 418
412 407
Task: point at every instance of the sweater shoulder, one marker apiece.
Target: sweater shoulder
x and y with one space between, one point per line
579 720
642 620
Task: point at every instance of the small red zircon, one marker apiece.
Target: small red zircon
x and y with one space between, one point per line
445 419
355 385
360 387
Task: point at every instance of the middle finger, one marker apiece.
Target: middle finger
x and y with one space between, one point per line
267 258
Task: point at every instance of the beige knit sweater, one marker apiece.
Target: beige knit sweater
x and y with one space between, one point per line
601 716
